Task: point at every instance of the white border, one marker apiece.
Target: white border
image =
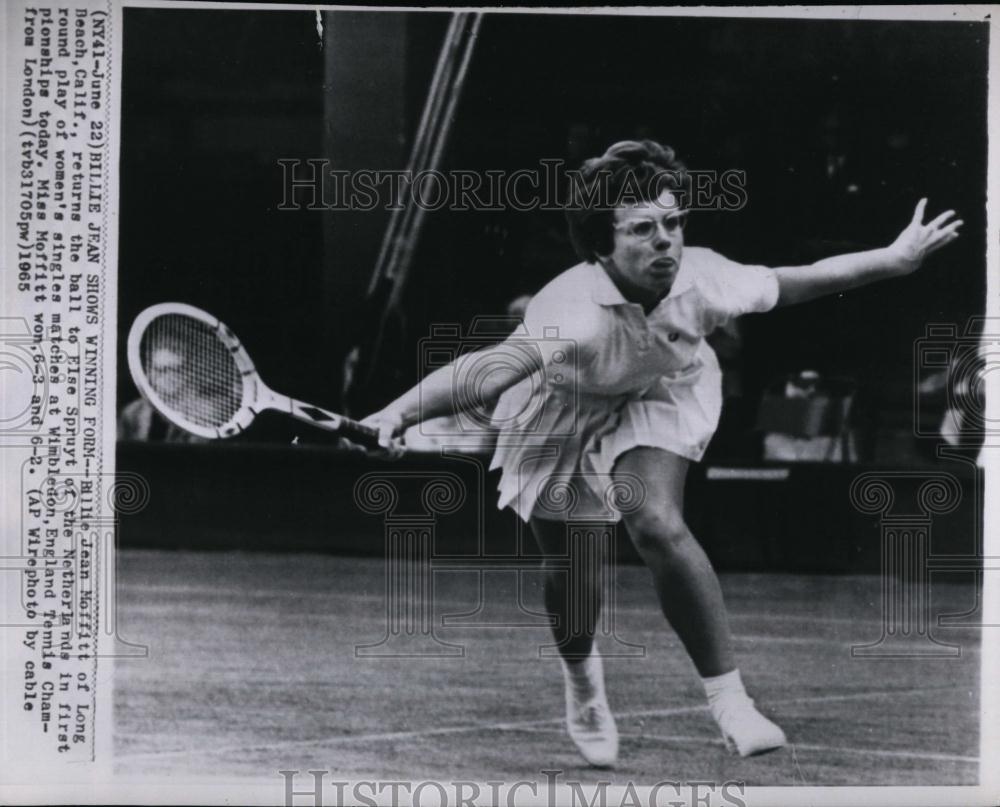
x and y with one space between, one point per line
268 790
941 13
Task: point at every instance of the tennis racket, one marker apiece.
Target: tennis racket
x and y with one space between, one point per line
194 372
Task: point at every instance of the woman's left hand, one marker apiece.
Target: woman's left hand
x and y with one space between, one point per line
919 240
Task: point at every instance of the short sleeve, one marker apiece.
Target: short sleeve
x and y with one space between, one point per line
562 326
731 289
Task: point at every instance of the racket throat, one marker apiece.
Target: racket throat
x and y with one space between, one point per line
315 415
309 413
323 419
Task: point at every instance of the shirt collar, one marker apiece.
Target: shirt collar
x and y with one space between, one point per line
605 292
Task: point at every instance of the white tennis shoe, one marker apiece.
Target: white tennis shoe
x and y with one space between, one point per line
745 730
592 728
589 721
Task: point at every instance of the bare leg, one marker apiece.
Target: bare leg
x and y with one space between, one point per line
685 581
572 589
573 597
691 597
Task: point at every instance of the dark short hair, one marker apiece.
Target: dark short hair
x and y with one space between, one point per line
632 171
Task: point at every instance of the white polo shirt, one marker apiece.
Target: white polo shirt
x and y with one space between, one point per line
615 378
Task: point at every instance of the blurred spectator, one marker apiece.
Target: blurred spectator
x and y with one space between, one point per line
516 309
955 397
139 421
733 437
808 422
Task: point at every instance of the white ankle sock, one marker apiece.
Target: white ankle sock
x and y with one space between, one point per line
586 676
718 687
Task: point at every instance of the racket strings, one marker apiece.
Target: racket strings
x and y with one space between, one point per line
191 370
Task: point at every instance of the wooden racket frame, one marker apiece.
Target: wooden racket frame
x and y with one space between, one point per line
257 396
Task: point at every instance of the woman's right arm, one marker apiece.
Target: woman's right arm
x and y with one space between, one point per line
471 380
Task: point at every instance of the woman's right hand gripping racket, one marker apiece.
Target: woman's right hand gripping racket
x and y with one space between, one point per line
194 372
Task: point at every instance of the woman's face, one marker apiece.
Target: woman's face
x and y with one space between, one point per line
648 244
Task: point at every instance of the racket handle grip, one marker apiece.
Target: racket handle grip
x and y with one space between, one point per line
357 433
325 419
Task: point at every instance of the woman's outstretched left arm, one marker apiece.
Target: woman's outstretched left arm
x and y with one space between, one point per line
798 284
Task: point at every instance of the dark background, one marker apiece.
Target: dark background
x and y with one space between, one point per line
213 99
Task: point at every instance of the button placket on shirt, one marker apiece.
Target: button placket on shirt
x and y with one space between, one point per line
672 335
639 327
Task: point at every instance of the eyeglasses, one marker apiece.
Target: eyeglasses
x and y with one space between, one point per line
644 229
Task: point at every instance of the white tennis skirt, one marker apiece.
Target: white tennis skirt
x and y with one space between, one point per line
561 467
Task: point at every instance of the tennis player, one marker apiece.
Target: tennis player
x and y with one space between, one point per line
631 391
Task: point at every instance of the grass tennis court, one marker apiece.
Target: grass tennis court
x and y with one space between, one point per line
252 669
